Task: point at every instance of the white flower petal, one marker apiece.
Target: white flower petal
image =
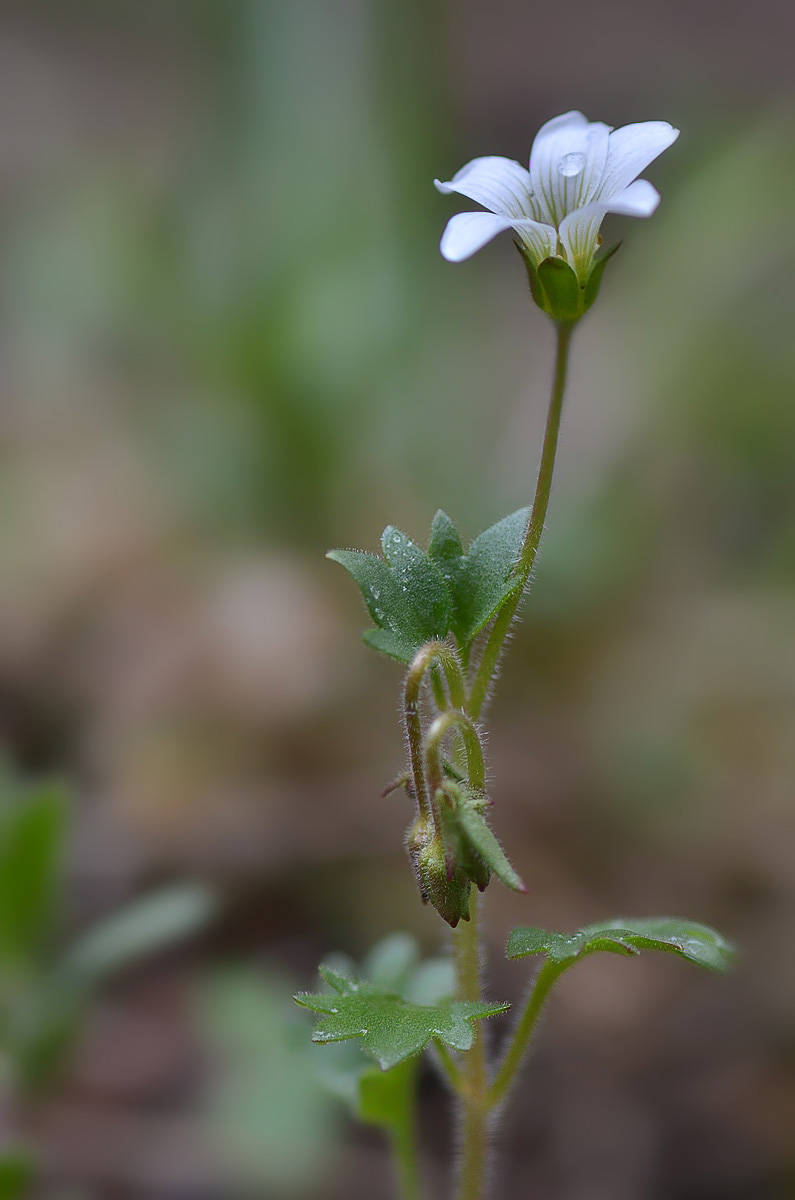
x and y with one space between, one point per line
500 184
567 164
640 199
467 232
630 150
540 240
580 229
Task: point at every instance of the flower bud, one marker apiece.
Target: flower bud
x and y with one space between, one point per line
447 892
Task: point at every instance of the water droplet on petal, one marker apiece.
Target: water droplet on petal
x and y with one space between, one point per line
396 538
376 593
571 164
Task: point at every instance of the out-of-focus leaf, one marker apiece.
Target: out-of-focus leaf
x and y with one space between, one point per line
16 1174
394 963
266 1111
624 935
386 1098
404 592
391 961
391 1029
146 926
41 1028
31 838
479 580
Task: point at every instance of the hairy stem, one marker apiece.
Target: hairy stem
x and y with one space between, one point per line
476 767
523 1032
426 657
449 1065
527 556
474 1132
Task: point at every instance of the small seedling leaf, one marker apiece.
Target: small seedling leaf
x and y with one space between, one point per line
391 1028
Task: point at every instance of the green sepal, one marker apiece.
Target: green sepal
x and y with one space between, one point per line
593 283
700 944
404 592
392 1029
563 299
482 840
446 889
461 852
480 580
556 287
470 844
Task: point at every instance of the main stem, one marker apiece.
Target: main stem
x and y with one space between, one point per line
474 1093
478 1098
535 528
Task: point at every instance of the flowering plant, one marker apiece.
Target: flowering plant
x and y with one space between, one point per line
580 170
444 612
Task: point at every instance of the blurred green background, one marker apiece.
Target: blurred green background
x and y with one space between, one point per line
228 342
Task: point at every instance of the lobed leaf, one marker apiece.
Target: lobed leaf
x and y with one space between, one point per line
404 592
481 579
391 1028
697 943
415 597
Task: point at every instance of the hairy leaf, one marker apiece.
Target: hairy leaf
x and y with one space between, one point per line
481 579
485 843
390 1027
624 935
404 592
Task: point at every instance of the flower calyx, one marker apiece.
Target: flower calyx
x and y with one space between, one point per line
455 850
556 288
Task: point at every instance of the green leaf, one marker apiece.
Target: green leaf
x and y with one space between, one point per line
386 1098
16 1174
481 579
404 592
391 1029
698 943
444 544
144 927
391 961
31 841
43 1028
267 1111
481 837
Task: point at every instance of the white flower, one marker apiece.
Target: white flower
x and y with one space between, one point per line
579 171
